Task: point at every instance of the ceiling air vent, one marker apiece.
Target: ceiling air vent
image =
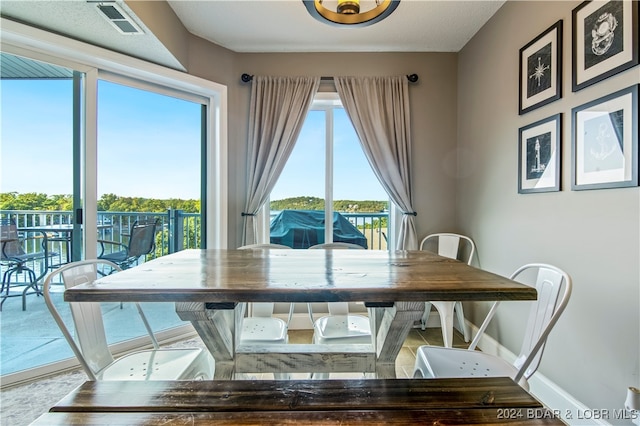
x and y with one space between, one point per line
118 18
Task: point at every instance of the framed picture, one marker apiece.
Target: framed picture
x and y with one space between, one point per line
541 69
539 156
605 40
604 149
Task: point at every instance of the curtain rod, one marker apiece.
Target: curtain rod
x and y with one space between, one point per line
248 77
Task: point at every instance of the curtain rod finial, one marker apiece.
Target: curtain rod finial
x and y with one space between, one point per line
412 78
246 78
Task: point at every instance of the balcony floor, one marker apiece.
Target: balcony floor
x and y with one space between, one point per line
31 338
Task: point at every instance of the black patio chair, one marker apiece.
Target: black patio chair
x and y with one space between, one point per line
15 260
142 241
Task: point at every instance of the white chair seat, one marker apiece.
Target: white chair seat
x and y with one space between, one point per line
342 329
433 361
161 364
263 330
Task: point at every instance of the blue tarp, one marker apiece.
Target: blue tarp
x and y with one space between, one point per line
305 228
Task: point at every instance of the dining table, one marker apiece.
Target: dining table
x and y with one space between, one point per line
212 287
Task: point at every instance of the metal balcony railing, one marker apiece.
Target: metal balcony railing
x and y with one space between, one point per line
177 230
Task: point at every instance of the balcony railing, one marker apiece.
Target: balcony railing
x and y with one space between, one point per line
177 230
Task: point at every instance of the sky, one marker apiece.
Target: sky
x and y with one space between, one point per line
149 146
304 173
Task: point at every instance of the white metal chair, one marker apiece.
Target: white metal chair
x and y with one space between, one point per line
448 245
93 351
260 327
340 326
337 245
551 283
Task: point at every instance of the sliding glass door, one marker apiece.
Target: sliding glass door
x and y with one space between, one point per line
40 191
149 149
81 147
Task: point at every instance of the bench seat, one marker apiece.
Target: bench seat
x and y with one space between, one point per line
377 401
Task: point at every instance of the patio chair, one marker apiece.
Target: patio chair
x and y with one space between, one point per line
142 241
92 349
439 362
15 260
448 245
260 327
340 326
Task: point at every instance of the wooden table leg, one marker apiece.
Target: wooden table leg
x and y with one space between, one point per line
216 329
395 324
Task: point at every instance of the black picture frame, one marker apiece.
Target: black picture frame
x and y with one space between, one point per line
541 70
605 40
539 155
604 147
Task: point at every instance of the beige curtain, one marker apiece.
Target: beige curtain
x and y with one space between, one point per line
379 110
278 109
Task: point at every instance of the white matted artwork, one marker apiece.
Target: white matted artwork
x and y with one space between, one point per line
541 69
539 156
604 146
605 40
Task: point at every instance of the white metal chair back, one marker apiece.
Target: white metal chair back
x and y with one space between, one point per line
554 289
92 349
551 284
335 308
263 246
448 245
87 317
337 245
265 309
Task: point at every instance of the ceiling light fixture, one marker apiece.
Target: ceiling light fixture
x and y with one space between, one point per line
348 13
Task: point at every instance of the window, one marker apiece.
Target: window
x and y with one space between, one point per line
328 172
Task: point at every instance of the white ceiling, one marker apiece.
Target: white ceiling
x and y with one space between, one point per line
286 26
80 20
267 26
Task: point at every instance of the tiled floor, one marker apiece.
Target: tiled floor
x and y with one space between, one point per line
21 405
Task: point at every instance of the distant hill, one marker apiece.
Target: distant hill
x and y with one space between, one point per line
112 202
107 202
315 203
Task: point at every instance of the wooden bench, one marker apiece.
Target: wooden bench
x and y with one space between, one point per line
375 401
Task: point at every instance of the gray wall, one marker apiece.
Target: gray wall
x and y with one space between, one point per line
593 235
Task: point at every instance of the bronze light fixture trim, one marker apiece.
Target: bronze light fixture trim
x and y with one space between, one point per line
348 13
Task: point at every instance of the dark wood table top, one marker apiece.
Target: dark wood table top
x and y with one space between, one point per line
220 276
